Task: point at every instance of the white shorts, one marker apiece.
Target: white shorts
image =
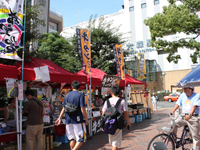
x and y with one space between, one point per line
116 139
76 132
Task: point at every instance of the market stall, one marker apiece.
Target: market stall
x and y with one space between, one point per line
41 87
138 104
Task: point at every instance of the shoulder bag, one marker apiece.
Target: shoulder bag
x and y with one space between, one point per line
71 109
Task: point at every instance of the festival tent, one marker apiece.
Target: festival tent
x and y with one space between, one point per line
96 76
7 72
130 80
57 74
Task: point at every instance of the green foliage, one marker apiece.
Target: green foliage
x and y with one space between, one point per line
103 37
56 48
174 19
33 22
161 95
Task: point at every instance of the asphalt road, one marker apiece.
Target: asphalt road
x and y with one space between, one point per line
165 104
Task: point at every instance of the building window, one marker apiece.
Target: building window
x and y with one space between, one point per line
148 42
42 2
51 27
144 5
140 44
156 2
151 70
131 8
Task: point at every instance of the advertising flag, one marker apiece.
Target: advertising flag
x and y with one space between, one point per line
141 67
83 45
11 27
118 53
130 72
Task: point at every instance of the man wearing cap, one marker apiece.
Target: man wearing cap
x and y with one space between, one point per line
190 102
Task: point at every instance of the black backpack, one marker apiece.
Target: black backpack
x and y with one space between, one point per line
113 113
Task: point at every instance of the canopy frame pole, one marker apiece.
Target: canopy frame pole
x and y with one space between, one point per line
17 123
20 120
90 111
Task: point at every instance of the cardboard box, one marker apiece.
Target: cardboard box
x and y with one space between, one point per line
44 142
51 141
47 142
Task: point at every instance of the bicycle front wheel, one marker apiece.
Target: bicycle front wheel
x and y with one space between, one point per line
161 141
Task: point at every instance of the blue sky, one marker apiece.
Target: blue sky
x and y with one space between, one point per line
75 11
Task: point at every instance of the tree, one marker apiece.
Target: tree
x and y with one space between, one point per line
65 54
103 37
56 48
176 18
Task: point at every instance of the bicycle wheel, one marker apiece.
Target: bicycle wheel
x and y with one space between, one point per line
187 142
161 141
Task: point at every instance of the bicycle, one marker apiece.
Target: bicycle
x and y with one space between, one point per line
167 140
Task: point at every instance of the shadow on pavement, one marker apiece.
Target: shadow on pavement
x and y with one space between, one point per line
137 137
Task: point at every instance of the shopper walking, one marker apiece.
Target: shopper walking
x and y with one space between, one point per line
154 102
75 128
116 139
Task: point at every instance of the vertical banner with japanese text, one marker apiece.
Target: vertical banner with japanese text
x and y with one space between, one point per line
130 73
83 45
141 67
11 27
119 58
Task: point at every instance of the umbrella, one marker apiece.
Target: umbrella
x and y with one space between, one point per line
191 79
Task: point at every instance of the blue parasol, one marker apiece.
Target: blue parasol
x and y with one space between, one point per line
191 79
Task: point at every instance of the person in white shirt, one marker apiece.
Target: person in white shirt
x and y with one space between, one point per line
154 102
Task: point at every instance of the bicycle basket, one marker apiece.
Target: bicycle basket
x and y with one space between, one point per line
165 127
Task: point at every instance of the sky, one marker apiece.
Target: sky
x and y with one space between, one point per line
75 11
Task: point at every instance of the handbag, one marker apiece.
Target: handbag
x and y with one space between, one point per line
71 109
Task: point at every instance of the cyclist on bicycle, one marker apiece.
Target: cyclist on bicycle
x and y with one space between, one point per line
190 102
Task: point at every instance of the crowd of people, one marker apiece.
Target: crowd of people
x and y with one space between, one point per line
76 125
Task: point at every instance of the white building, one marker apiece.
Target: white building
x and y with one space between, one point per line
131 18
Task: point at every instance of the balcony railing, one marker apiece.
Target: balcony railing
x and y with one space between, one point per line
56 12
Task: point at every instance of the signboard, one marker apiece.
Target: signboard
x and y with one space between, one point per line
109 81
141 67
105 91
137 87
96 125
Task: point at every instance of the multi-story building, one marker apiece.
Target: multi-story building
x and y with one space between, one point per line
161 75
55 20
52 17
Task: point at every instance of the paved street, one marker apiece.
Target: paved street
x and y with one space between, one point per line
137 138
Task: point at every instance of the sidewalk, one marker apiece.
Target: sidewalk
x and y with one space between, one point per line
137 138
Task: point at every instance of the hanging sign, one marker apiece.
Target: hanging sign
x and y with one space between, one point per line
109 81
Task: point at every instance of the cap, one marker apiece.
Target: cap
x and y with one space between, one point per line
190 87
153 93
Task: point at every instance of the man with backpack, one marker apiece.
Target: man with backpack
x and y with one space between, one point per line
75 126
116 138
